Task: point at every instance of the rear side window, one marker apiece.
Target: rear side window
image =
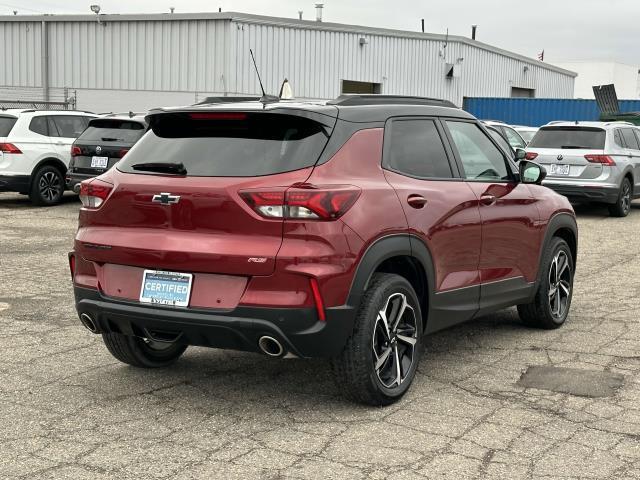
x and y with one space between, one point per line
617 138
232 144
587 138
6 124
68 126
630 139
416 149
113 131
39 125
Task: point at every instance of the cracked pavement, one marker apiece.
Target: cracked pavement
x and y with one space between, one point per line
68 410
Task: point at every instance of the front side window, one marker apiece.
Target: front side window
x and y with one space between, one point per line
480 158
515 140
417 150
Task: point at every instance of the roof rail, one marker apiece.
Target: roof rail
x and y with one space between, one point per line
496 121
620 122
376 99
209 100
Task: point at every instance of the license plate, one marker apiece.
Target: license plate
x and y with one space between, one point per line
99 162
556 169
166 288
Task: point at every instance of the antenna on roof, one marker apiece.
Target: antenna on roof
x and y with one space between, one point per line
265 98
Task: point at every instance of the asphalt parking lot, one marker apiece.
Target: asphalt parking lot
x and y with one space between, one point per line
69 410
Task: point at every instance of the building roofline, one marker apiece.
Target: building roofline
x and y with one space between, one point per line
282 21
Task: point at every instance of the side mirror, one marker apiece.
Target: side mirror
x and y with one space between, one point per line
531 172
520 154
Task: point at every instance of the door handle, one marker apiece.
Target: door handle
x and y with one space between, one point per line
416 201
487 200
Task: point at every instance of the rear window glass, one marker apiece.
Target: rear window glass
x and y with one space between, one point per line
569 137
230 144
113 131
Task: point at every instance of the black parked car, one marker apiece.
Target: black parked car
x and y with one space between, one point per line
104 142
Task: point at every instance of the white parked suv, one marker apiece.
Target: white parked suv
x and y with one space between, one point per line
595 162
35 150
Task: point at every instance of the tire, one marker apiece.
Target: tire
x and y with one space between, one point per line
142 353
550 306
47 187
355 370
622 207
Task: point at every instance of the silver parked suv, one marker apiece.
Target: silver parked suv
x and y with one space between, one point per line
591 161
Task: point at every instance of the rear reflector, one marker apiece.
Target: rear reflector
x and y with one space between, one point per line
530 156
218 116
76 151
314 203
317 298
9 148
603 159
72 264
94 192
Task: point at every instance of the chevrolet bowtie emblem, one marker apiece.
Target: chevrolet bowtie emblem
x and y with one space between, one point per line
166 198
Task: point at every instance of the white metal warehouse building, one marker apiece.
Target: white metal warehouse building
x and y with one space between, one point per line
136 62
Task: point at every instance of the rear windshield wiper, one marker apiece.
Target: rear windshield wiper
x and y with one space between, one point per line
576 147
108 139
174 168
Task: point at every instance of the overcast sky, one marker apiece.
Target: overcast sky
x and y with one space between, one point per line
564 29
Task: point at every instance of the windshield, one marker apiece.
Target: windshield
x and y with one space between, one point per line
109 130
587 138
232 144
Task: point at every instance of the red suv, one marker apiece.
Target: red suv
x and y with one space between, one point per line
345 230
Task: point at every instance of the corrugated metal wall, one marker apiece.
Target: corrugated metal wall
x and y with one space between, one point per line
212 55
315 62
539 111
21 54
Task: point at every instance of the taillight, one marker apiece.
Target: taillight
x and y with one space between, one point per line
530 156
94 193
603 159
9 148
76 151
317 203
122 152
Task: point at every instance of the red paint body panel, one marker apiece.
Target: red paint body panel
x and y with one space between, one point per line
510 237
207 290
211 229
449 224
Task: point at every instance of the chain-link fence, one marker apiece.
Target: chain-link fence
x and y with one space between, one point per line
33 97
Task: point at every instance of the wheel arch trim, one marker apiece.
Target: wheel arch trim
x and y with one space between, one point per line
394 245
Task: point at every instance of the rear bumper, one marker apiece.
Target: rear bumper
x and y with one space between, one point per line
586 193
298 329
73 180
15 183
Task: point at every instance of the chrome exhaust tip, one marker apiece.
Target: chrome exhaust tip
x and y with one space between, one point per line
88 323
270 346
76 188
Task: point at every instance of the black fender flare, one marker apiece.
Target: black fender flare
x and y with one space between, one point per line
401 244
559 221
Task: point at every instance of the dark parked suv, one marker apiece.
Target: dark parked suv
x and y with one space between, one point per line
104 142
345 230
